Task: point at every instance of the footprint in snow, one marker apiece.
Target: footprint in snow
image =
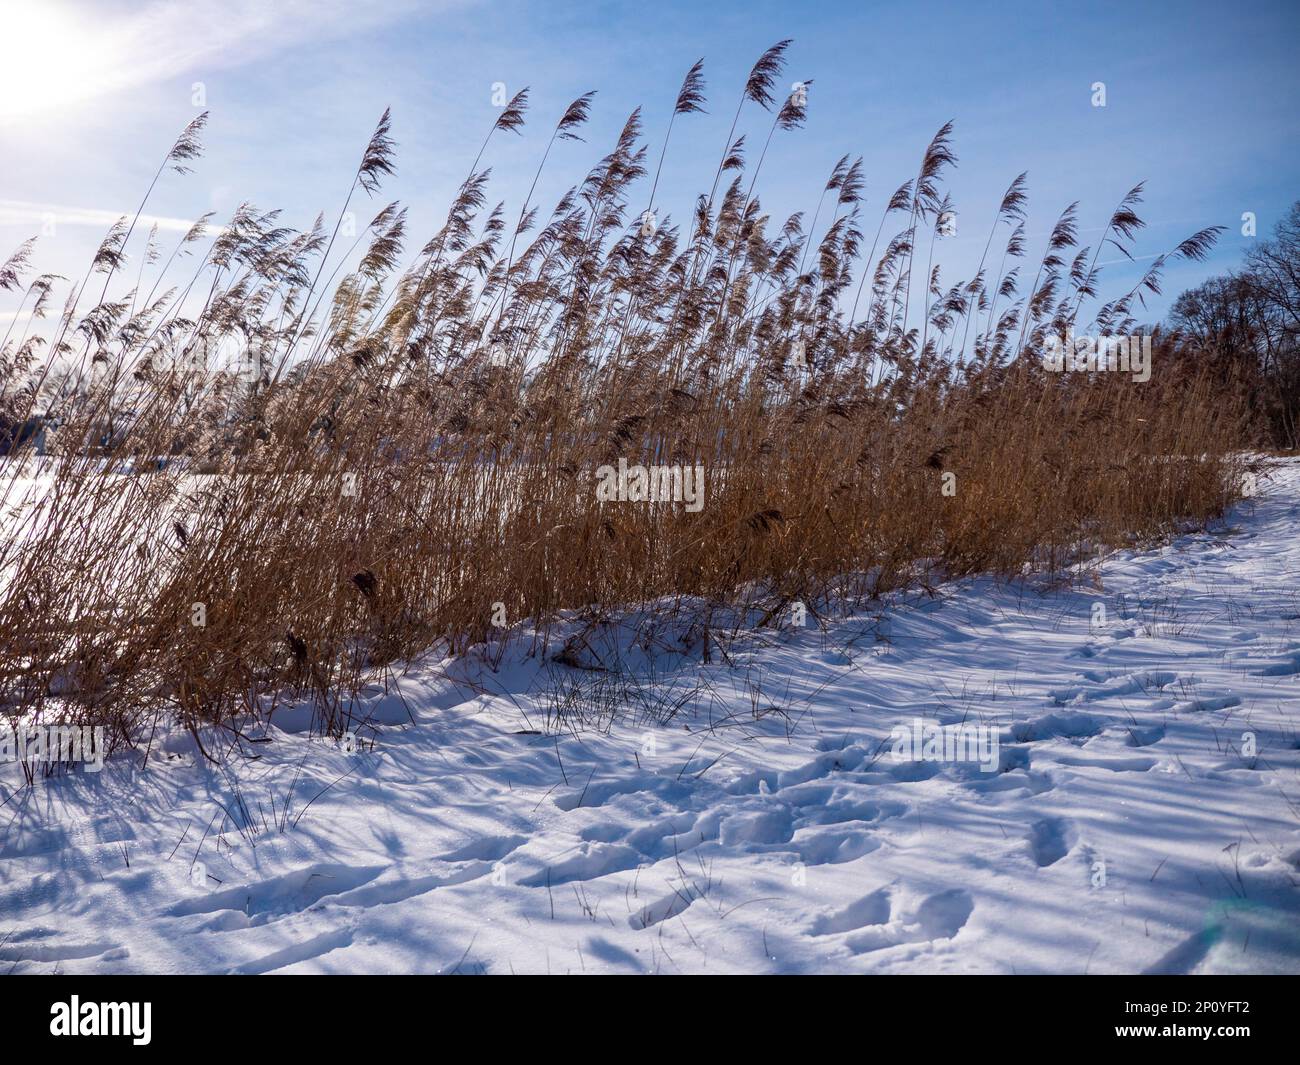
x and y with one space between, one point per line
938 917
1210 703
1050 840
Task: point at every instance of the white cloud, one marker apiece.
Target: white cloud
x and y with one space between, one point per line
55 53
169 38
27 213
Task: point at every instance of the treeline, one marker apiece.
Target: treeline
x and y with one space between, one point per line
1245 326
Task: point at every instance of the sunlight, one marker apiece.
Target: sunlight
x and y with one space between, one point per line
48 61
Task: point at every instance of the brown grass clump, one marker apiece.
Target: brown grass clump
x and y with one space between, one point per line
407 449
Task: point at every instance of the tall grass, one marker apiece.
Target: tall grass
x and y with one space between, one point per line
414 445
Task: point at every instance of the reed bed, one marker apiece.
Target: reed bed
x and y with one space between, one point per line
411 454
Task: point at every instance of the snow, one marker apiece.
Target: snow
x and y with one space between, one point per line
766 827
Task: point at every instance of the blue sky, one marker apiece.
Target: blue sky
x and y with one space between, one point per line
1201 103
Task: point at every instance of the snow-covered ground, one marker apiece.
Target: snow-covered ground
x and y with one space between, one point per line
768 827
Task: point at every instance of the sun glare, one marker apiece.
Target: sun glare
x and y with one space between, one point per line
48 62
